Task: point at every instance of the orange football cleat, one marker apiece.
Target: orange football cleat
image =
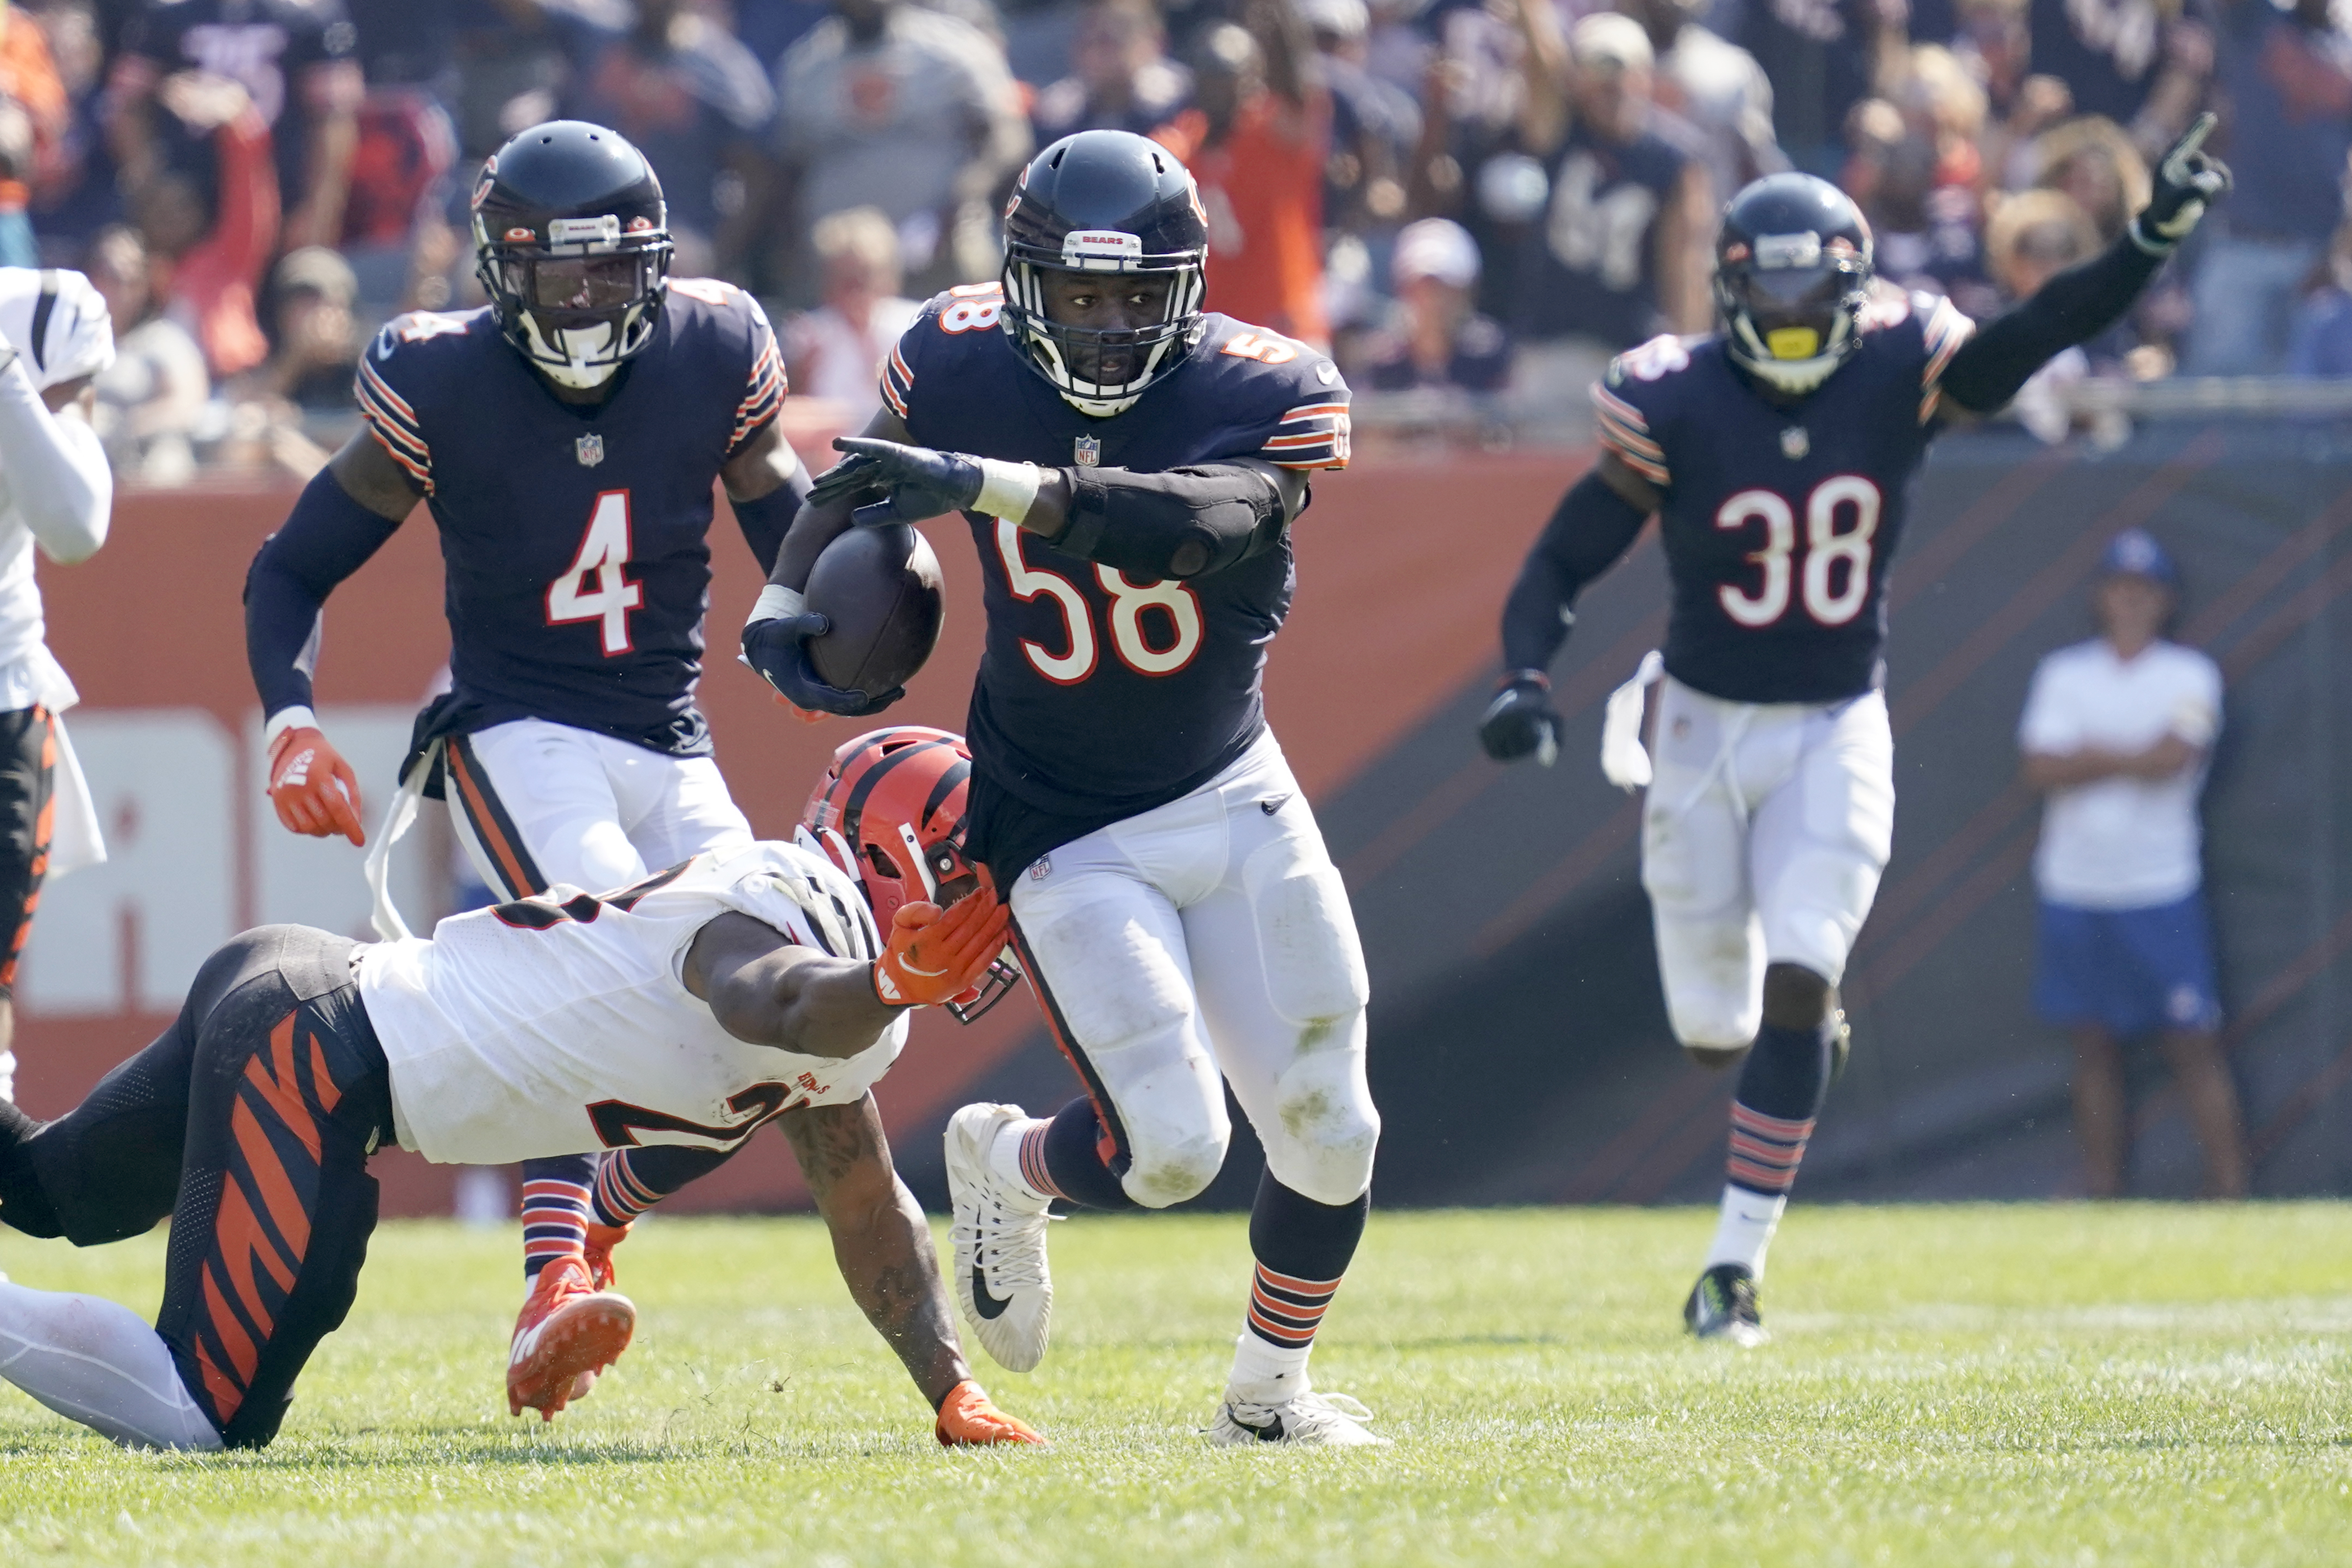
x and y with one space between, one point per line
969 1418
569 1331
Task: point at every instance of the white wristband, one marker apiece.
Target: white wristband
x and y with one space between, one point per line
1007 489
774 603
294 718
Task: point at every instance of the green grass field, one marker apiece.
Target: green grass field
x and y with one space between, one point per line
2076 1385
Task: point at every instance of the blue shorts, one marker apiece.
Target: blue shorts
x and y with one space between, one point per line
2132 971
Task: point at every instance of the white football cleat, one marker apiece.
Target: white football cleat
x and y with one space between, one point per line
999 1238
1305 1419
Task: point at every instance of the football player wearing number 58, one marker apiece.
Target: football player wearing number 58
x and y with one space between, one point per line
1130 468
1778 454
565 437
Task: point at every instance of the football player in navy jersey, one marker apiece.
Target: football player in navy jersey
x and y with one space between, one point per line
1778 455
1130 468
565 440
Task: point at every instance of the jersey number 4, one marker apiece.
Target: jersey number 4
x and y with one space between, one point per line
593 587
1127 602
1840 522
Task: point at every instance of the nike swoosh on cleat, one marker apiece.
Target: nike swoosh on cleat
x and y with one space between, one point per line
987 1306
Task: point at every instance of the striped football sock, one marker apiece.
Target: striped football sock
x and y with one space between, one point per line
554 1215
622 1194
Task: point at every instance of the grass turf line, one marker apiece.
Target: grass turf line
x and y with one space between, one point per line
2068 1384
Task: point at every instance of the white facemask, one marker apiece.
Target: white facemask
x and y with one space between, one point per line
576 348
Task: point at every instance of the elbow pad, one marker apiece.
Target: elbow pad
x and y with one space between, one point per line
1185 522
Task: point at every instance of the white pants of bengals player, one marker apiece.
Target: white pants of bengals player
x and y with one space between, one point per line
1763 838
536 804
1210 936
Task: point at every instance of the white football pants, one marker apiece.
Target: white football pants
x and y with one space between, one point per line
1210 936
536 804
1763 838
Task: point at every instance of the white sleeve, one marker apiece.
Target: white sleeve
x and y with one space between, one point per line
56 470
2196 717
2049 727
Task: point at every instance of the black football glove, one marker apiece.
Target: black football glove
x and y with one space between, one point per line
2185 182
917 482
775 651
1520 721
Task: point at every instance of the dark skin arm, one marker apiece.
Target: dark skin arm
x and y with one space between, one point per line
767 990
880 1239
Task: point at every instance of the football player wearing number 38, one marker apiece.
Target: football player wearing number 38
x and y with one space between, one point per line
1778 454
565 439
1130 468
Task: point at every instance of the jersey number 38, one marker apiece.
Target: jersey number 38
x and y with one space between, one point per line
1840 524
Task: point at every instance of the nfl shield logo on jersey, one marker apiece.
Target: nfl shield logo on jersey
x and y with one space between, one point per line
1794 443
590 450
1087 452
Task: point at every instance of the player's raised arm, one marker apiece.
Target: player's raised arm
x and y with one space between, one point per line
343 517
2083 302
767 990
1590 531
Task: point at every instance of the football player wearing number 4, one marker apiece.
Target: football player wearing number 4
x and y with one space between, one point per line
566 438
1778 454
1130 468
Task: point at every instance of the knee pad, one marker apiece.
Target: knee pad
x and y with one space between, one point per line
1171 1164
1315 974
1325 1128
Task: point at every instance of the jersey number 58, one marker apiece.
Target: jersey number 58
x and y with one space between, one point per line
1129 600
1831 598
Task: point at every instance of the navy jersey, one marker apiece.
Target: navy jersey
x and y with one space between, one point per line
1591 267
1099 697
1778 520
574 538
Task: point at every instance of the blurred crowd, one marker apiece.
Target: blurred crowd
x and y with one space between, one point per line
1474 201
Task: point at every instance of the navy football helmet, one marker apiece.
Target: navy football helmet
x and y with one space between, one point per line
1113 201
572 241
1792 273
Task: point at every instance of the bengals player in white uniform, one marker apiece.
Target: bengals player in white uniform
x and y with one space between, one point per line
515 1032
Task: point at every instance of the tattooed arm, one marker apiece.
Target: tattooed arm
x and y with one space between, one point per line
880 1239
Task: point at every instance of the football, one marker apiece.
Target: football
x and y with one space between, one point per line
881 589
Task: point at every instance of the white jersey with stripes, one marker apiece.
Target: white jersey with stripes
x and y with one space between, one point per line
560 1024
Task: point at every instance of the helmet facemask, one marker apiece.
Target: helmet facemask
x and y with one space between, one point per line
1099 371
1793 305
580 306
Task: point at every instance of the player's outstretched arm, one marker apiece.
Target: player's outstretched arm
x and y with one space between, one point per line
884 1249
342 517
1182 522
1590 531
765 989
2083 302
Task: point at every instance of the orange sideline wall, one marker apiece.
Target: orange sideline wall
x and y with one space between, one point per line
1401 568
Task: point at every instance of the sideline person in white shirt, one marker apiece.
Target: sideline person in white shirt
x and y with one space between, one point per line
2117 733
57 492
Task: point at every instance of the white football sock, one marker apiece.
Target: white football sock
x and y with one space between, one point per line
1746 1228
8 1076
97 1363
1004 1161
1267 1374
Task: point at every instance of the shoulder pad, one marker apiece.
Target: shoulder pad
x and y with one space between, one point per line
1292 389
950 316
419 327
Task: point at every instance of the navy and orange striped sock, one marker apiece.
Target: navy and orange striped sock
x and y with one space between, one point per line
556 1196
622 1193
1781 1086
1302 1250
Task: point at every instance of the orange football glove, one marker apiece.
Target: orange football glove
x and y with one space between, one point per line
969 1418
313 789
933 956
